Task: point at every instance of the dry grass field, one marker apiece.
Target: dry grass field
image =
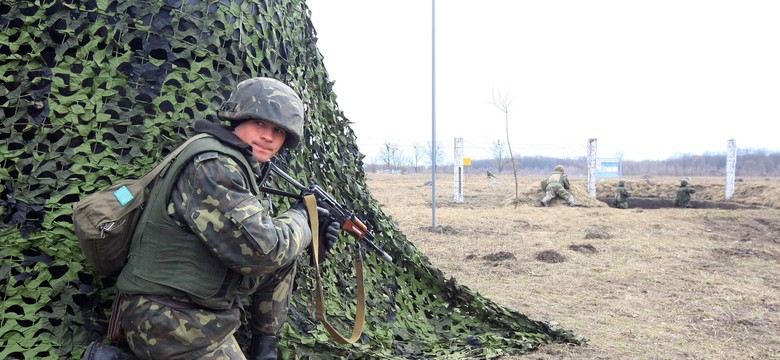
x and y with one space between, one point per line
650 283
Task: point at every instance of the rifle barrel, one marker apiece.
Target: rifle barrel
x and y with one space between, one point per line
373 246
358 228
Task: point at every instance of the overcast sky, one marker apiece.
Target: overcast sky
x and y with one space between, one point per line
648 79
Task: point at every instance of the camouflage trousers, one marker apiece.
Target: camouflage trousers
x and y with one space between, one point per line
556 189
158 327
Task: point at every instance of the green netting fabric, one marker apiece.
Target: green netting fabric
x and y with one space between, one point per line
98 90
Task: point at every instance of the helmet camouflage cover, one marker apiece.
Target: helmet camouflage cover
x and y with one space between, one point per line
558 168
266 99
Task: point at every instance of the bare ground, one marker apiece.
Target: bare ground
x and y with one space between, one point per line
642 283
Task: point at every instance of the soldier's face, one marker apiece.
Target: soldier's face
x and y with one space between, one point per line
265 138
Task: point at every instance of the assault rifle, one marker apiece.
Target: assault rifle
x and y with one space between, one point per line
350 223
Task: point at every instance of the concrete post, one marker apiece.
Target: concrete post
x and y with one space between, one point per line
458 179
731 167
592 144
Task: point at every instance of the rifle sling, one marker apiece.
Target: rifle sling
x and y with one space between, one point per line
357 330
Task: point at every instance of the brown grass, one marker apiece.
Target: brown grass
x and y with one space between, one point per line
660 283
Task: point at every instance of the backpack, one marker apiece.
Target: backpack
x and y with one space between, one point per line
104 221
546 181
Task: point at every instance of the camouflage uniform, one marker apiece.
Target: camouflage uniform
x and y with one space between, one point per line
207 239
558 185
620 200
683 198
213 200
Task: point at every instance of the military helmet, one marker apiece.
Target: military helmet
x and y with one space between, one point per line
621 183
558 168
684 183
266 99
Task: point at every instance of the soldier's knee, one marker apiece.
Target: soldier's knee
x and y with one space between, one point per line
99 351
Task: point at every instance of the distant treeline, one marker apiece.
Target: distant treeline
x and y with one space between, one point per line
750 163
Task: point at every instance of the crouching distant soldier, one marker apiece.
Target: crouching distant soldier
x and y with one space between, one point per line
684 192
620 200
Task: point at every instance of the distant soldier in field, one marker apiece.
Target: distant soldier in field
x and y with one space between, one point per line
557 185
684 192
620 200
492 179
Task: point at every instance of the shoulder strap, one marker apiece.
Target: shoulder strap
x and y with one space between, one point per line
360 316
168 169
151 175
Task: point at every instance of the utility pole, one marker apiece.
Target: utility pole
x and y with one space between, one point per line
433 114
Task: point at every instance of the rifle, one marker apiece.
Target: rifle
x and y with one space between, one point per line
350 223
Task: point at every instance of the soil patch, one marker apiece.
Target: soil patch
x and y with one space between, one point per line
499 256
442 229
550 257
584 248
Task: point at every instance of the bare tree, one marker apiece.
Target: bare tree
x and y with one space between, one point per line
503 102
498 155
402 160
390 155
419 151
439 152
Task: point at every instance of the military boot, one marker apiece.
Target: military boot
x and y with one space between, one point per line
264 347
544 203
98 351
574 204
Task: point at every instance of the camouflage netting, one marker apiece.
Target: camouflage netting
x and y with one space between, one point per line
98 90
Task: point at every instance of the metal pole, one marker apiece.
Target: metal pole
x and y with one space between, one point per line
433 114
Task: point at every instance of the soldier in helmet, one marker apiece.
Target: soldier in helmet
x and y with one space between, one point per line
558 185
620 200
209 237
683 197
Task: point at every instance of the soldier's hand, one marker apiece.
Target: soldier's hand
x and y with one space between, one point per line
300 206
329 229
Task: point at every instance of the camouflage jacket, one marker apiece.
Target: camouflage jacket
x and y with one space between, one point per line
621 195
557 177
683 197
214 235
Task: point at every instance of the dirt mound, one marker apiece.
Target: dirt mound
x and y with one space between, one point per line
500 256
531 194
584 248
441 229
710 193
550 257
660 193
